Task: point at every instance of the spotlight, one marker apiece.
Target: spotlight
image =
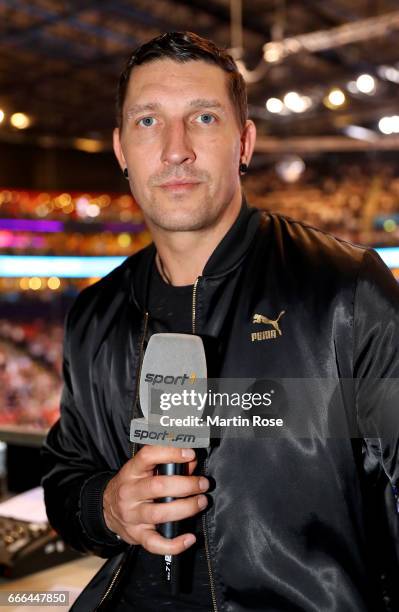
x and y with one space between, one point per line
335 98
389 73
273 52
365 83
20 121
296 103
274 105
389 125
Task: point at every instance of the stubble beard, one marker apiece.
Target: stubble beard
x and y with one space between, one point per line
183 215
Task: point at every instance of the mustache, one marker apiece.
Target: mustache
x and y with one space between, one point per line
200 176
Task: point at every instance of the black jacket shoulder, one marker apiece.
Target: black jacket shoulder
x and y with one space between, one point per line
308 241
110 291
306 253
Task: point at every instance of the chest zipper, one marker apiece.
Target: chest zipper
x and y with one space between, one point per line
194 304
132 452
204 527
208 560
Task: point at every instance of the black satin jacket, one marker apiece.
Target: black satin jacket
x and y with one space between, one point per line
298 524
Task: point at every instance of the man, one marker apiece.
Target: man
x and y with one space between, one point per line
290 523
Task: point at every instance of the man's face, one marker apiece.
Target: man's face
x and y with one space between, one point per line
181 143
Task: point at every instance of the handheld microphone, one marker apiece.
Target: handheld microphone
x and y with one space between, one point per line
174 367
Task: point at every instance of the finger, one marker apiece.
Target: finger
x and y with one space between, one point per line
148 457
191 466
157 513
154 543
155 487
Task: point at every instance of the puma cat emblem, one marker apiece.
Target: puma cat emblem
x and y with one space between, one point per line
267 334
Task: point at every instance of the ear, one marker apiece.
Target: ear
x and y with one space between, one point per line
248 138
118 149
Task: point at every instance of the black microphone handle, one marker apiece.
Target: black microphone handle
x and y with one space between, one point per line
170 529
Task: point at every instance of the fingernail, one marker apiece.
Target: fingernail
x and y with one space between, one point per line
188 453
189 540
203 484
202 501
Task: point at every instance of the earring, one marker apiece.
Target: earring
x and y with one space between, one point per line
126 173
243 168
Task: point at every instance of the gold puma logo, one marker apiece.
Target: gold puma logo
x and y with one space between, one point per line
258 318
268 334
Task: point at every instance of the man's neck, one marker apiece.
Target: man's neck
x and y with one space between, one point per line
182 255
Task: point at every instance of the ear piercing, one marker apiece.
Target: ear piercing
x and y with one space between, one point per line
126 173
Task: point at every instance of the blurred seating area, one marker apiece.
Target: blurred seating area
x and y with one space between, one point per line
357 202
30 373
25 204
69 224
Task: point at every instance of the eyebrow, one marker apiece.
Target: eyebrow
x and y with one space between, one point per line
204 103
154 106
138 108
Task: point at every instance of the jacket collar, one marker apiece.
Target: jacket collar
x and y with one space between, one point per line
229 253
235 244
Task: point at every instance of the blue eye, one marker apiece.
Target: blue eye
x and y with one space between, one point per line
147 121
206 118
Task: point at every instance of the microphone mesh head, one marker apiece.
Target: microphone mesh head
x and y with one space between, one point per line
172 363
173 382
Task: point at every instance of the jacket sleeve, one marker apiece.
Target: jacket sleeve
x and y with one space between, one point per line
74 476
376 364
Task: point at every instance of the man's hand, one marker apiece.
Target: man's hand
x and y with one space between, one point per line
129 507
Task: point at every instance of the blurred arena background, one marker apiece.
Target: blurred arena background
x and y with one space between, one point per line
323 88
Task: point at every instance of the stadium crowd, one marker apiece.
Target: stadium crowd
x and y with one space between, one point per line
30 373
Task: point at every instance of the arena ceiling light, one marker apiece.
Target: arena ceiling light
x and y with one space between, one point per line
274 105
21 121
335 98
2 115
389 73
366 84
389 125
297 103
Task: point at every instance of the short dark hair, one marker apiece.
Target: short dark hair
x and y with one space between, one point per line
185 47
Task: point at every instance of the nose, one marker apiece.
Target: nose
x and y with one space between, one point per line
177 146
